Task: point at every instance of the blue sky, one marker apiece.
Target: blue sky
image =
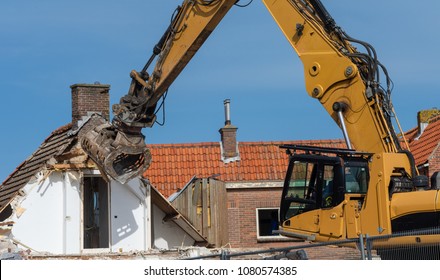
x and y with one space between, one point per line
48 45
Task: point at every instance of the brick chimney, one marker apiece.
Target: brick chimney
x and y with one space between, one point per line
423 118
228 133
88 99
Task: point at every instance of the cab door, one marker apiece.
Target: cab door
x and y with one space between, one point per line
331 217
310 190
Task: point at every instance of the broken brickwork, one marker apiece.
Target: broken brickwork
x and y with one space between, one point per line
89 98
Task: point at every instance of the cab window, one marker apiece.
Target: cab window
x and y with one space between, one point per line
356 179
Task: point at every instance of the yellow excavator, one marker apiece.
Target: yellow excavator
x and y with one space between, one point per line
372 187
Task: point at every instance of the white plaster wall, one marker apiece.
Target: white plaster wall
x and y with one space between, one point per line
168 235
43 225
127 217
52 218
131 226
73 213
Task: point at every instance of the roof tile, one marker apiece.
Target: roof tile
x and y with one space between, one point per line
423 146
258 161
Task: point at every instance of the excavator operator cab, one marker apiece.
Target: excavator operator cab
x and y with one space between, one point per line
320 178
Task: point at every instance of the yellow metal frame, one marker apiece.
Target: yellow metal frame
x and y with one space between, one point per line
330 76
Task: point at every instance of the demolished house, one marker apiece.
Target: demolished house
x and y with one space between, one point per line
57 201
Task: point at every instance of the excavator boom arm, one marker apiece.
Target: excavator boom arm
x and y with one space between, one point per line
193 24
336 74
343 80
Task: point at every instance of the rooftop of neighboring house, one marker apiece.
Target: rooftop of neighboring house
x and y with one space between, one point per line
425 138
175 164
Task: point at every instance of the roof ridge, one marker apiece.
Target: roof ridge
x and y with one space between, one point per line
434 118
281 142
411 130
58 131
178 145
59 138
62 129
250 143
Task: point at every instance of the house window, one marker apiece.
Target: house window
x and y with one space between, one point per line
95 213
267 222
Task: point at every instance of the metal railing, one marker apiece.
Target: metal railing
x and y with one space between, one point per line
409 245
420 244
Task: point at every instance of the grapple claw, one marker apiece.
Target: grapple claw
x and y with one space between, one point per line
119 155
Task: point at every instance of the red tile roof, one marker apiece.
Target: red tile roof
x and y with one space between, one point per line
175 164
423 147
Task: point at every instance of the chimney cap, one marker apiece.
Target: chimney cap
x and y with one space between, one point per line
424 116
227 103
97 85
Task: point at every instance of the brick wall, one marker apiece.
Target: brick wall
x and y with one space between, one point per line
228 135
242 221
88 98
434 161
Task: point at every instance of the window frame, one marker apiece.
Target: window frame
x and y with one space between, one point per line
268 238
108 187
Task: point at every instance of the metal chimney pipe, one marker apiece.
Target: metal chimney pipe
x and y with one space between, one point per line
227 102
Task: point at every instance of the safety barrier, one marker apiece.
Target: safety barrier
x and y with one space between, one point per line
423 244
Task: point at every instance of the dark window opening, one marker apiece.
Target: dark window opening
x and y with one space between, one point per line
96 211
267 222
6 213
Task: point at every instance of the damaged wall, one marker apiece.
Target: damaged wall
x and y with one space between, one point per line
175 237
46 217
49 217
129 206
